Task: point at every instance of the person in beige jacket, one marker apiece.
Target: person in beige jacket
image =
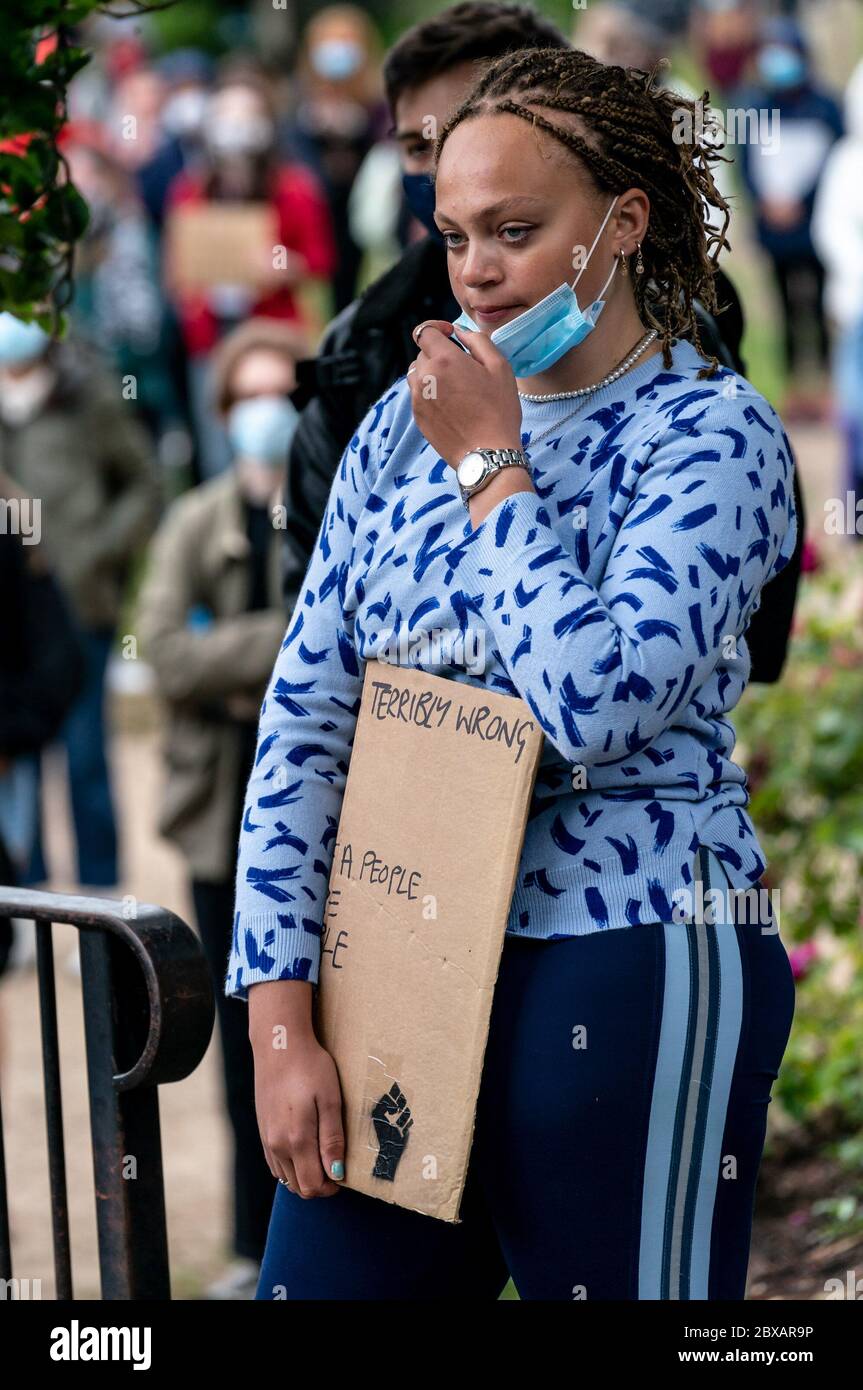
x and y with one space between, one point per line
211 621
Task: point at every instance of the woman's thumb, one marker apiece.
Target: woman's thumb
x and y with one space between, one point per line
331 1139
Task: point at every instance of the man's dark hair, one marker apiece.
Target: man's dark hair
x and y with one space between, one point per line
476 29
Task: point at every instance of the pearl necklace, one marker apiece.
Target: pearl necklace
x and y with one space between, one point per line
606 380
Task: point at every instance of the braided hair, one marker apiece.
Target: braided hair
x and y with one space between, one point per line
628 127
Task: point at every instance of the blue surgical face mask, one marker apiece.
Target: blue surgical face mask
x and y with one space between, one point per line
539 337
262 427
780 67
420 197
337 59
20 342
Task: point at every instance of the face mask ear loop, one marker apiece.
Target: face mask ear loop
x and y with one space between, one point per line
601 294
590 252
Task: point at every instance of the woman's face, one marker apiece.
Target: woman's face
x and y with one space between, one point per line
261 372
517 211
338 45
238 124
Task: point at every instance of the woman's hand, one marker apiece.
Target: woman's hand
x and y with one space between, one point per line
463 402
298 1098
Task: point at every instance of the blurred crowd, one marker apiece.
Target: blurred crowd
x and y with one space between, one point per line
239 206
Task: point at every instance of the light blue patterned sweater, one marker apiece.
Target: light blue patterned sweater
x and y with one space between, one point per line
613 600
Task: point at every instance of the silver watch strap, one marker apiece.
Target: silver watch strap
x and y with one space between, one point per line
496 459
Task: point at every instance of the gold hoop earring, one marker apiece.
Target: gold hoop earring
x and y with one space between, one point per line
639 264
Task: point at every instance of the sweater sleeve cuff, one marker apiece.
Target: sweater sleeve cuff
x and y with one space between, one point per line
272 946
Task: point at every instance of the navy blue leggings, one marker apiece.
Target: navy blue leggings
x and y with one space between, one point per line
619 1131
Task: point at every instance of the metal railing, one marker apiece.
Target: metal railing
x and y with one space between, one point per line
148 1018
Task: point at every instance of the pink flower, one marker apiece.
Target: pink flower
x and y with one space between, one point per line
801 958
844 656
810 560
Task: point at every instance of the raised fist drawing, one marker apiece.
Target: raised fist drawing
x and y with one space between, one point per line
392 1120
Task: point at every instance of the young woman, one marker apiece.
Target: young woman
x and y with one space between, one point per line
612 572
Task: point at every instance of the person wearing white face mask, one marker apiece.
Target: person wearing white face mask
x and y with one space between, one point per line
260 429
210 622
339 117
188 74
68 439
241 165
27 377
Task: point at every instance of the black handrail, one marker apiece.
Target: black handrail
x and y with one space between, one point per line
149 1011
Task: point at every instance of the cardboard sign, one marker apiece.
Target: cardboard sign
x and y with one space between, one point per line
429 841
210 244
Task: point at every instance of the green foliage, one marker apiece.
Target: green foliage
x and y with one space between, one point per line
202 24
821 1074
41 213
801 742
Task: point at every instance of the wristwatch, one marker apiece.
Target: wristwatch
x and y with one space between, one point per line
480 465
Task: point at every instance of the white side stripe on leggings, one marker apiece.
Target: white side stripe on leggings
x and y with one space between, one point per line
702 1011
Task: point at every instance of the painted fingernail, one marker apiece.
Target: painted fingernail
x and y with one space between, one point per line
337 1169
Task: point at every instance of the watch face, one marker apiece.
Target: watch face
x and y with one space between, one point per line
471 469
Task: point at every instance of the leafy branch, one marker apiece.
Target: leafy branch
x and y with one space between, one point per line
42 215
